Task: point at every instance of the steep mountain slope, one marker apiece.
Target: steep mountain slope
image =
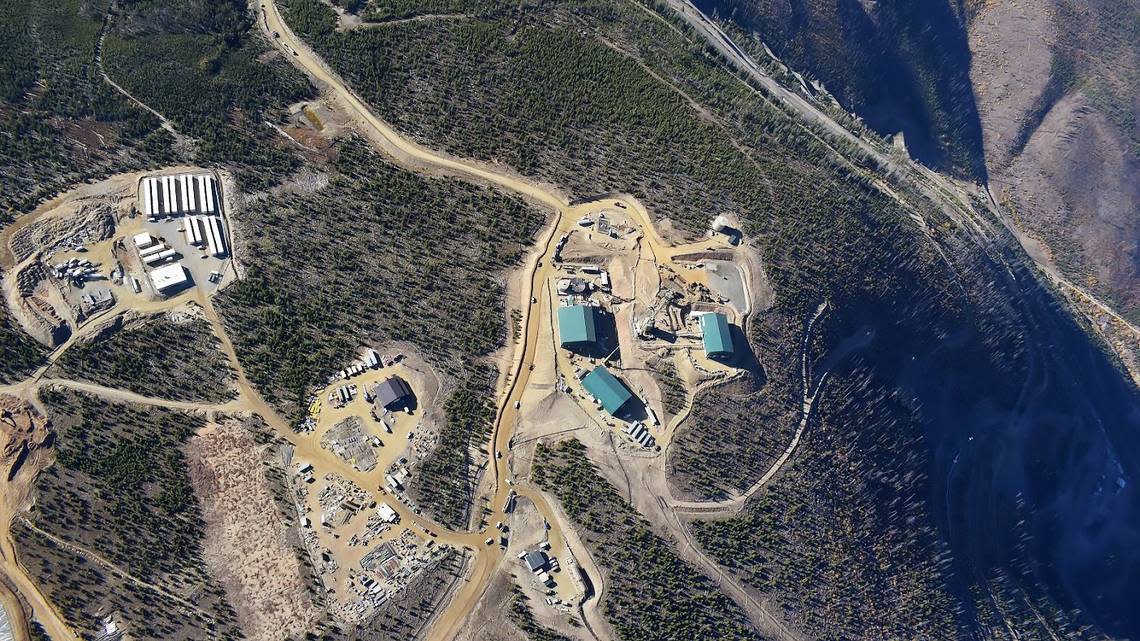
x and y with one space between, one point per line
1038 97
1056 82
902 65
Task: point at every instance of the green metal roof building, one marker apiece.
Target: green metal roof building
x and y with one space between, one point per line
606 388
576 325
716 335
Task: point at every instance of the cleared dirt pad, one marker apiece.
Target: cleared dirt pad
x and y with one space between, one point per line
246 543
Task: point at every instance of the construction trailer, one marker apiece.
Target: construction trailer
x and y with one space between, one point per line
210 208
147 201
167 195
160 257
151 250
143 240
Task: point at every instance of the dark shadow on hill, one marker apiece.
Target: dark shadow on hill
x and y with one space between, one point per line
903 67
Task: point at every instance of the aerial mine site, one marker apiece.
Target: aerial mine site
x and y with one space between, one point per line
594 320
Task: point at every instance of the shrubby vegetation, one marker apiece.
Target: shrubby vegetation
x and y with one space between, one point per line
203 65
519 613
20 355
119 489
60 123
653 593
156 357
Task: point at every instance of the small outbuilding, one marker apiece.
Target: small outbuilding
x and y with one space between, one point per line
143 240
605 387
577 326
716 335
393 393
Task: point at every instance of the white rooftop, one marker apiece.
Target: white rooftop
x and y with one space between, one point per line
386 513
168 276
143 240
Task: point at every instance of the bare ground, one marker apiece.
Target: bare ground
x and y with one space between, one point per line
247 545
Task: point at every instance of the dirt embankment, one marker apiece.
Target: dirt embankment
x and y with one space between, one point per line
23 432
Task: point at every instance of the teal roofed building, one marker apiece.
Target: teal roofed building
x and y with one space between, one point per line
606 388
716 335
577 326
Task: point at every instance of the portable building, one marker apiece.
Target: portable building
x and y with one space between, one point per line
144 197
211 240
210 194
202 194
217 233
161 256
168 205
188 230
151 250
191 193
143 240
196 229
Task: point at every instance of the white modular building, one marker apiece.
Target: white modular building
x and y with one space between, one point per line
188 230
202 194
210 208
160 257
167 195
186 193
155 204
144 197
218 236
168 277
211 239
143 240
191 191
151 250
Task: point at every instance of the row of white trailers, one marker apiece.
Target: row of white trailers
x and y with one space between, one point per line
206 231
182 194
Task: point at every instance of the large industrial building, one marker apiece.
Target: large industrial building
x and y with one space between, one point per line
393 392
609 391
168 278
577 326
716 335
